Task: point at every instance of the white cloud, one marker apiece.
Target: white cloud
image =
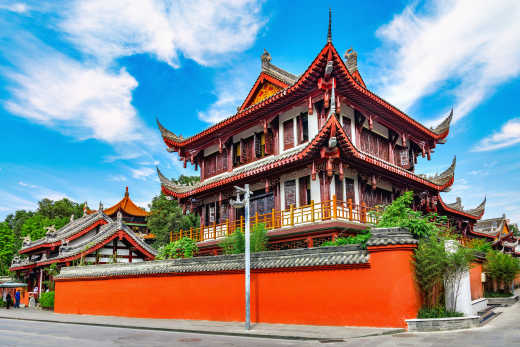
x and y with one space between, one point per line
201 30
15 7
231 90
40 192
23 184
117 178
509 135
468 47
142 173
10 203
77 99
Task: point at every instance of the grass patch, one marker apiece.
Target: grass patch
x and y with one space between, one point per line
437 312
497 295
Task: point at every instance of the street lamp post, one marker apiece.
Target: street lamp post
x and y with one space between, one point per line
237 204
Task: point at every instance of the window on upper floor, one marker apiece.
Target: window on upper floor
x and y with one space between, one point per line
346 126
215 163
290 193
374 144
305 190
288 134
303 127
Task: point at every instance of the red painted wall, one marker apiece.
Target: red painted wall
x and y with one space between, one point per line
382 295
477 289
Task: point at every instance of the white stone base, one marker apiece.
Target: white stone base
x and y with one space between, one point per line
479 305
441 324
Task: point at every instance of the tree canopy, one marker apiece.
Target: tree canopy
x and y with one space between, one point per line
23 223
166 216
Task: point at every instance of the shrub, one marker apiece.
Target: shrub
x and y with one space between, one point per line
502 267
479 245
360 238
400 214
437 312
235 243
47 300
2 303
182 248
497 295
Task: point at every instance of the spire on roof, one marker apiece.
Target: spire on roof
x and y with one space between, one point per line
126 191
100 209
329 34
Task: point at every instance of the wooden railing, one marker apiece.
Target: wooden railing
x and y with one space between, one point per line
294 216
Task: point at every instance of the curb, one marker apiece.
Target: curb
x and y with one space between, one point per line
207 332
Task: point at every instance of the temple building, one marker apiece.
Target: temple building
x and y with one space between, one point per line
498 232
133 216
320 153
94 238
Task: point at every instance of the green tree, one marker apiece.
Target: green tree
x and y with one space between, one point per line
61 208
514 229
502 268
183 248
166 216
436 267
16 222
400 214
235 243
35 225
7 247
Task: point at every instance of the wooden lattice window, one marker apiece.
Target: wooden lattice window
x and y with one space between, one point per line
288 134
290 193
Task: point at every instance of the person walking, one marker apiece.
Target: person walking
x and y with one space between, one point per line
8 300
17 299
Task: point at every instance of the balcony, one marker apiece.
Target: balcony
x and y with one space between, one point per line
325 211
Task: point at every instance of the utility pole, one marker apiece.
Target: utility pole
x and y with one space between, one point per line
237 204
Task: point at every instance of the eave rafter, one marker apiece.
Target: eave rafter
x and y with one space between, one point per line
457 209
306 83
438 183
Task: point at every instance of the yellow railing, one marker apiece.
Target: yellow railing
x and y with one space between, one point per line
294 216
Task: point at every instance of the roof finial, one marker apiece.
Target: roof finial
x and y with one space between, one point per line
126 191
329 34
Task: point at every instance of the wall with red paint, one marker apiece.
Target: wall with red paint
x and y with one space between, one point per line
381 295
477 289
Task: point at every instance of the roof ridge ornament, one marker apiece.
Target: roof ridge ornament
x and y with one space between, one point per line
351 60
329 33
119 218
100 208
266 59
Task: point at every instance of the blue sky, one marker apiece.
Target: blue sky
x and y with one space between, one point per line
81 83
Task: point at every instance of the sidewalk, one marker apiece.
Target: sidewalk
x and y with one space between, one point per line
283 331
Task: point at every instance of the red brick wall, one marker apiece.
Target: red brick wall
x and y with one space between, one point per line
381 295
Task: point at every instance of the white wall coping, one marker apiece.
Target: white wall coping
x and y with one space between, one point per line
441 319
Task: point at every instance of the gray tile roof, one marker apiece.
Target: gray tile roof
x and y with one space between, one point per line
68 230
491 226
391 236
293 258
105 231
477 211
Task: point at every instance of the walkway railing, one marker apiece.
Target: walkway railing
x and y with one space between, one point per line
294 216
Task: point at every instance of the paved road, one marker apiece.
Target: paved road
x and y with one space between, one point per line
502 331
32 334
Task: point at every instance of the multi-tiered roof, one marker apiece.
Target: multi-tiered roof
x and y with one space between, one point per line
276 90
77 239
